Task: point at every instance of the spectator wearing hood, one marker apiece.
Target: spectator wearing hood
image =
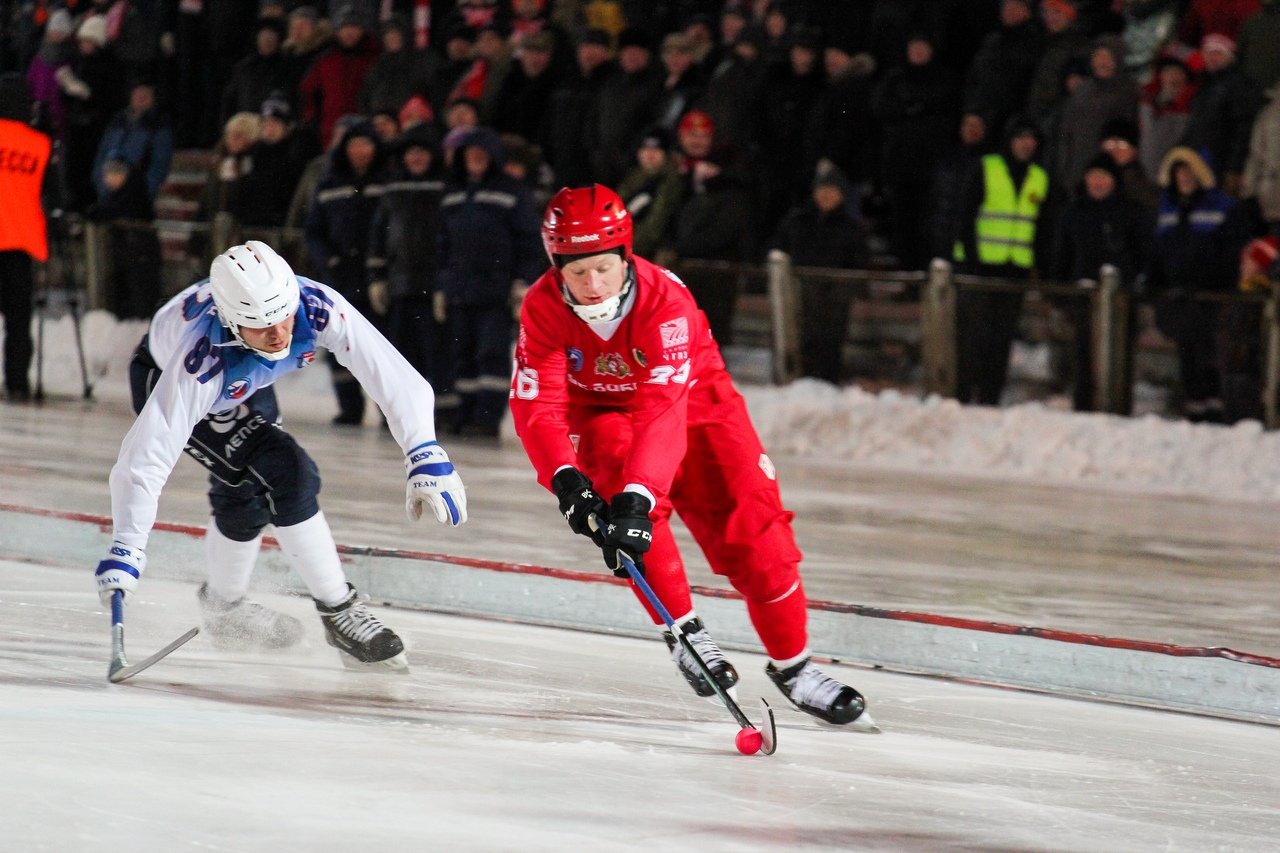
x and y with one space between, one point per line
490 250
403 259
337 234
1001 236
1200 231
1222 112
1120 141
1100 225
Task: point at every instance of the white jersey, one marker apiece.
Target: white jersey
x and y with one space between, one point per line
206 370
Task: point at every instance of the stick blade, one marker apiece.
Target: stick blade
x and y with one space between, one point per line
768 730
119 672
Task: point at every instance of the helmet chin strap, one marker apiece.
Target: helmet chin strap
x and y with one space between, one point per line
600 312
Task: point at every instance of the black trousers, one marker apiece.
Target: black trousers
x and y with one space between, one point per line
16 285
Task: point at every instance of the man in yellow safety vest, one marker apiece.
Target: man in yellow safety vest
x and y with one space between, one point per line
1001 210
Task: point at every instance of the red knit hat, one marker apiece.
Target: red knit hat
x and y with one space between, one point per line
1263 252
697 120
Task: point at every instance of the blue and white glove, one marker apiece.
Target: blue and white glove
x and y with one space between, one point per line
433 482
119 571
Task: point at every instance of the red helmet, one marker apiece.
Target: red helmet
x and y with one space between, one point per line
586 221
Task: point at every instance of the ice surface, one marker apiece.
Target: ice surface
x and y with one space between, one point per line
510 737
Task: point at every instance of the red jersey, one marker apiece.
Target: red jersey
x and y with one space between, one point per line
659 354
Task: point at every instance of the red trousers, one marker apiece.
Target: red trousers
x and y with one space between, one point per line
726 493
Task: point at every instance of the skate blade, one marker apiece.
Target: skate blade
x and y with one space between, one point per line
399 664
865 724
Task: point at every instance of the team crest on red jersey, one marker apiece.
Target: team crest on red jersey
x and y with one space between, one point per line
612 364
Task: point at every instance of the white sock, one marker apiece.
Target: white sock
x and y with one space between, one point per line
790 662
230 563
314 556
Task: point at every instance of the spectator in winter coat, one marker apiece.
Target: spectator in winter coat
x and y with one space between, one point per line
822 233
56 51
1222 112
573 111
331 88
279 157
489 252
790 93
954 168
402 261
1215 16
307 38
1120 143
124 205
400 72
1099 226
732 95
522 103
683 83
1259 36
653 191
141 136
841 128
1261 180
257 75
1107 93
337 232
1065 41
914 103
1164 109
625 107
1002 71
1240 351
92 90
232 162
1199 233
715 218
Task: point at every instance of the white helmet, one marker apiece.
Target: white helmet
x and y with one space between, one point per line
255 288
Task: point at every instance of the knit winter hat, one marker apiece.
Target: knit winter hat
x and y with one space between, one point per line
1218 41
1263 251
696 120
93 29
60 24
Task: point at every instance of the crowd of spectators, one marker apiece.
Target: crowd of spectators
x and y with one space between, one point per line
1139 133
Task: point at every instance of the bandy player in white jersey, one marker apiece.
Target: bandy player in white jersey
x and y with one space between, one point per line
201 381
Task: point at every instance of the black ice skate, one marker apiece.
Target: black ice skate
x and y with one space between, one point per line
241 624
814 692
723 672
364 641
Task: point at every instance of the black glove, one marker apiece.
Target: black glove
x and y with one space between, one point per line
578 502
629 530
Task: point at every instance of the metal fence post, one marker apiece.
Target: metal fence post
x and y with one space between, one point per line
1271 378
97 261
784 310
938 330
1110 343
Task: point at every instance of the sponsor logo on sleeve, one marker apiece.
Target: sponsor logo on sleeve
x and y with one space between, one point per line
675 333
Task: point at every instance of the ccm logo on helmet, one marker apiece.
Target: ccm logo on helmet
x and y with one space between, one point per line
584 238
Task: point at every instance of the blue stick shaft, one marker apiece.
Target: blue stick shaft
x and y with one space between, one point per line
638 580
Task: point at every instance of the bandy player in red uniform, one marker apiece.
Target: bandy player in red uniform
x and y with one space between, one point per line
619 389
